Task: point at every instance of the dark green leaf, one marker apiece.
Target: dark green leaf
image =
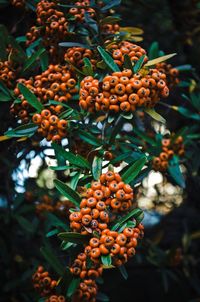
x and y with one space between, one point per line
131 173
23 130
108 59
51 258
89 138
75 160
175 172
30 97
123 271
102 297
96 167
72 287
25 224
73 237
188 113
74 180
153 51
110 5
52 233
138 64
135 213
91 23
87 68
110 20
106 260
44 59
145 137
65 190
186 67
73 44
127 62
31 60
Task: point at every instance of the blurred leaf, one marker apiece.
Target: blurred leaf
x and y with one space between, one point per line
44 59
30 97
102 297
96 167
91 22
138 65
160 59
50 257
52 233
6 91
89 138
153 51
175 172
25 224
137 214
186 67
72 287
156 116
87 68
131 173
132 30
106 260
23 130
110 20
145 137
75 160
73 237
73 44
123 271
65 190
108 59
110 5
31 60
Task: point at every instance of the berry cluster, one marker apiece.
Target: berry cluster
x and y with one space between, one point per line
52 26
101 203
80 269
75 56
86 291
50 126
132 50
18 3
7 73
123 91
171 73
56 298
42 282
169 148
120 246
109 29
78 12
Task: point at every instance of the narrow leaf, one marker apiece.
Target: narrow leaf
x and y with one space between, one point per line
131 173
160 59
30 97
96 167
135 213
123 271
65 190
72 287
23 130
138 64
52 259
31 60
108 59
155 115
73 237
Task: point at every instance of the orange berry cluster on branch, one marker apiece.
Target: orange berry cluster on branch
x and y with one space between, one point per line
42 282
106 198
171 73
132 50
80 269
75 56
56 298
52 26
7 73
123 91
169 148
120 246
86 291
79 12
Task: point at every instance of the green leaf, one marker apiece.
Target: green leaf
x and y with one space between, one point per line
160 59
156 116
108 59
175 172
91 23
6 91
75 160
89 138
96 167
51 258
138 64
111 4
73 286
25 224
127 62
187 113
153 51
30 97
23 130
52 233
87 68
110 20
65 190
74 180
145 137
31 60
44 59
74 44
186 67
131 173
137 214
123 271
106 260
73 237
102 297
